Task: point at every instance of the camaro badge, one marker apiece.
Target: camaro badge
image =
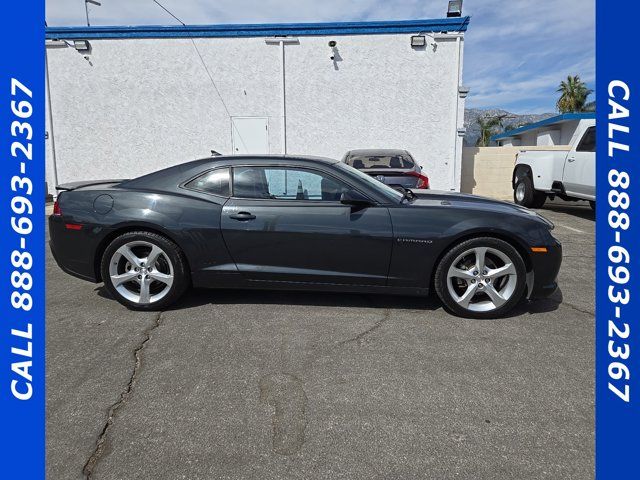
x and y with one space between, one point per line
413 240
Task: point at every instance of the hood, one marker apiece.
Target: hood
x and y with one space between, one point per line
430 198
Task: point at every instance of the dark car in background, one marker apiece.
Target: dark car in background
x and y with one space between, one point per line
396 168
298 223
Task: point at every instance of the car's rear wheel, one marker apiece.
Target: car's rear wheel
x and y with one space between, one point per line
144 270
481 278
524 194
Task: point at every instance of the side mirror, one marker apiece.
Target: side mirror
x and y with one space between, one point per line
355 199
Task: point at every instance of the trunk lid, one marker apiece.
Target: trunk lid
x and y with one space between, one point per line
392 176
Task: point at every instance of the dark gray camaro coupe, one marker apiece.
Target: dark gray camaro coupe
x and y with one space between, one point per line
274 222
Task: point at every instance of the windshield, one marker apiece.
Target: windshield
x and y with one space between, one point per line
399 160
386 190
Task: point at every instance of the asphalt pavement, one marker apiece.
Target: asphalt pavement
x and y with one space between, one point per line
278 385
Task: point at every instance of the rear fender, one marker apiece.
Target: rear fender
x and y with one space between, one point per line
519 172
193 225
543 167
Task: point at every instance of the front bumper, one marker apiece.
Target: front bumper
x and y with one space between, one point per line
545 268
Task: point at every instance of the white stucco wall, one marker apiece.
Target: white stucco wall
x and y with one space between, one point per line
139 105
568 131
548 137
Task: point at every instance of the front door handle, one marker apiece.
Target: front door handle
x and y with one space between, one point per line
571 159
242 216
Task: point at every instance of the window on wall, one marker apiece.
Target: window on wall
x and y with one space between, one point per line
285 184
215 182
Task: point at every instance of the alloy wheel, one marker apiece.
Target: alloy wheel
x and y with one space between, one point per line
141 272
482 279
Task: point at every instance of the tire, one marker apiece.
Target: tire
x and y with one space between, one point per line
592 204
158 282
524 194
459 278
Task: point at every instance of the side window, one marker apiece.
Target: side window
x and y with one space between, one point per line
588 142
285 184
215 182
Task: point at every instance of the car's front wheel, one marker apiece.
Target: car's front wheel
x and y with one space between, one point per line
481 278
144 270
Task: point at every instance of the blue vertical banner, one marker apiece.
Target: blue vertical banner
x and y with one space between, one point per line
617 244
22 197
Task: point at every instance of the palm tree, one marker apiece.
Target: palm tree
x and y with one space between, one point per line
574 93
488 127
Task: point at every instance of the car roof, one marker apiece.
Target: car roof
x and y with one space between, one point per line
168 177
377 151
270 158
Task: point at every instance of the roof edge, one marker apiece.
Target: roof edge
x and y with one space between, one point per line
259 30
565 117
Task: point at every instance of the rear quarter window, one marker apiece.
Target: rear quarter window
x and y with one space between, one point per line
215 182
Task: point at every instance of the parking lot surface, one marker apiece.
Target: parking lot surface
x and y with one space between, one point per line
275 385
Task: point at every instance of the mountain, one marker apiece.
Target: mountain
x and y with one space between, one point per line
514 121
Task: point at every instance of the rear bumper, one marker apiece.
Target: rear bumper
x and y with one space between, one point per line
72 250
545 271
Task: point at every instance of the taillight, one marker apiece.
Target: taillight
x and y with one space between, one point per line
56 209
423 180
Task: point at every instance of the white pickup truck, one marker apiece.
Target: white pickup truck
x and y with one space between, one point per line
569 173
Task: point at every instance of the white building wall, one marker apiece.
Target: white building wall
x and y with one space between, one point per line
548 137
568 131
528 138
138 105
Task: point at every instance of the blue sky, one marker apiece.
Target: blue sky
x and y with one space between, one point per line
516 51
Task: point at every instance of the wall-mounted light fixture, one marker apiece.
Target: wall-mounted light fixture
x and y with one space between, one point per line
455 8
418 41
82 46
55 44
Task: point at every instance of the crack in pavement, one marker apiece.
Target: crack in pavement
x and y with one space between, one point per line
573 307
360 337
326 351
96 456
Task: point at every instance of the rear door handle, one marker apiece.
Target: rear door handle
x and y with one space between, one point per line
571 159
242 216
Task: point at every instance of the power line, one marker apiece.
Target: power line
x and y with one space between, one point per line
165 9
206 69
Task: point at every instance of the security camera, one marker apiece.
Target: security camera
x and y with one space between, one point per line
334 50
